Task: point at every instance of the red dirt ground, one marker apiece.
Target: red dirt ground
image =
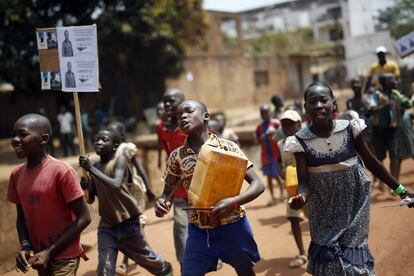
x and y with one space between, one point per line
390 237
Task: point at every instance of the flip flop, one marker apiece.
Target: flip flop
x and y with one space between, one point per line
298 261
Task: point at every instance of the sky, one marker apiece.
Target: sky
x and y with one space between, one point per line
240 5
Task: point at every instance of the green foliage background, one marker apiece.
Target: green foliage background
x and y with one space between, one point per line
399 18
141 43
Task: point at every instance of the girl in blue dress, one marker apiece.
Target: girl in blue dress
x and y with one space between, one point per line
334 184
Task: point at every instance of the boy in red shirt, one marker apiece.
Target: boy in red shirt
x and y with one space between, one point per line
171 137
46 192
265 133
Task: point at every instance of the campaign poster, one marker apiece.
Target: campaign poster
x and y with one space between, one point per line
78 58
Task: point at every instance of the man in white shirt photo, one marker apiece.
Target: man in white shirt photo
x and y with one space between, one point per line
65 120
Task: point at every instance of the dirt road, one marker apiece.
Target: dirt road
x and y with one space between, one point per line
390 237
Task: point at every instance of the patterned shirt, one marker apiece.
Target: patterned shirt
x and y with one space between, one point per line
180 169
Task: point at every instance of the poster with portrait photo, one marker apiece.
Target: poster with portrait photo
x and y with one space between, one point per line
69 77
78 58
66 43
45 80
55 80
41 40
51 40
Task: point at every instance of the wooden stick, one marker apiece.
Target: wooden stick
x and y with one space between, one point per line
196 208
79 123
80 137
79 128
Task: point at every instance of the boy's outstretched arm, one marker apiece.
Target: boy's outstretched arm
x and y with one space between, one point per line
119 171
299 201
376 167
83 218
225 206
26 252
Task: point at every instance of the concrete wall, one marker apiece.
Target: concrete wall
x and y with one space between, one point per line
358 17
228 81
360 51
299 76
222 76
217 81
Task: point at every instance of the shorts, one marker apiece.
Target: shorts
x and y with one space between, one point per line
301 214
385 139
271 169
233 243
67 267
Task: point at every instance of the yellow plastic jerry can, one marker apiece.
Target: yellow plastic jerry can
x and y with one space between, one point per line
291 180
218 174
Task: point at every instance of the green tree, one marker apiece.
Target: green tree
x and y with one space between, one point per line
145 42
18 21
141 43
399 18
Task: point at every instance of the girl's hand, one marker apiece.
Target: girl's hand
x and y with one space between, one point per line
223 208
22 260
85 163
297 202
40 259
162 207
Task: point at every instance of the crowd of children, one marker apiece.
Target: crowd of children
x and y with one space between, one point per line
328 155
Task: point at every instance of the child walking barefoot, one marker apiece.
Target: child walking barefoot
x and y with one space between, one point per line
336 187
291 123
265 133
119 228
224 232
138 181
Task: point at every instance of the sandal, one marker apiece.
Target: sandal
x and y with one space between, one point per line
121 270
272 201
298 261
219 264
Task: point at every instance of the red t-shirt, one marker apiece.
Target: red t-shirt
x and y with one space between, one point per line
44 193
270 151
171 140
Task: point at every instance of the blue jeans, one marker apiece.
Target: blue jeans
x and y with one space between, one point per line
180 227
128 238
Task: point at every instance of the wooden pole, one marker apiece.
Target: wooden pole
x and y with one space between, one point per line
79 123
80 136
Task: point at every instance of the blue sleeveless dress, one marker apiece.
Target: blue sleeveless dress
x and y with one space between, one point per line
339 201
